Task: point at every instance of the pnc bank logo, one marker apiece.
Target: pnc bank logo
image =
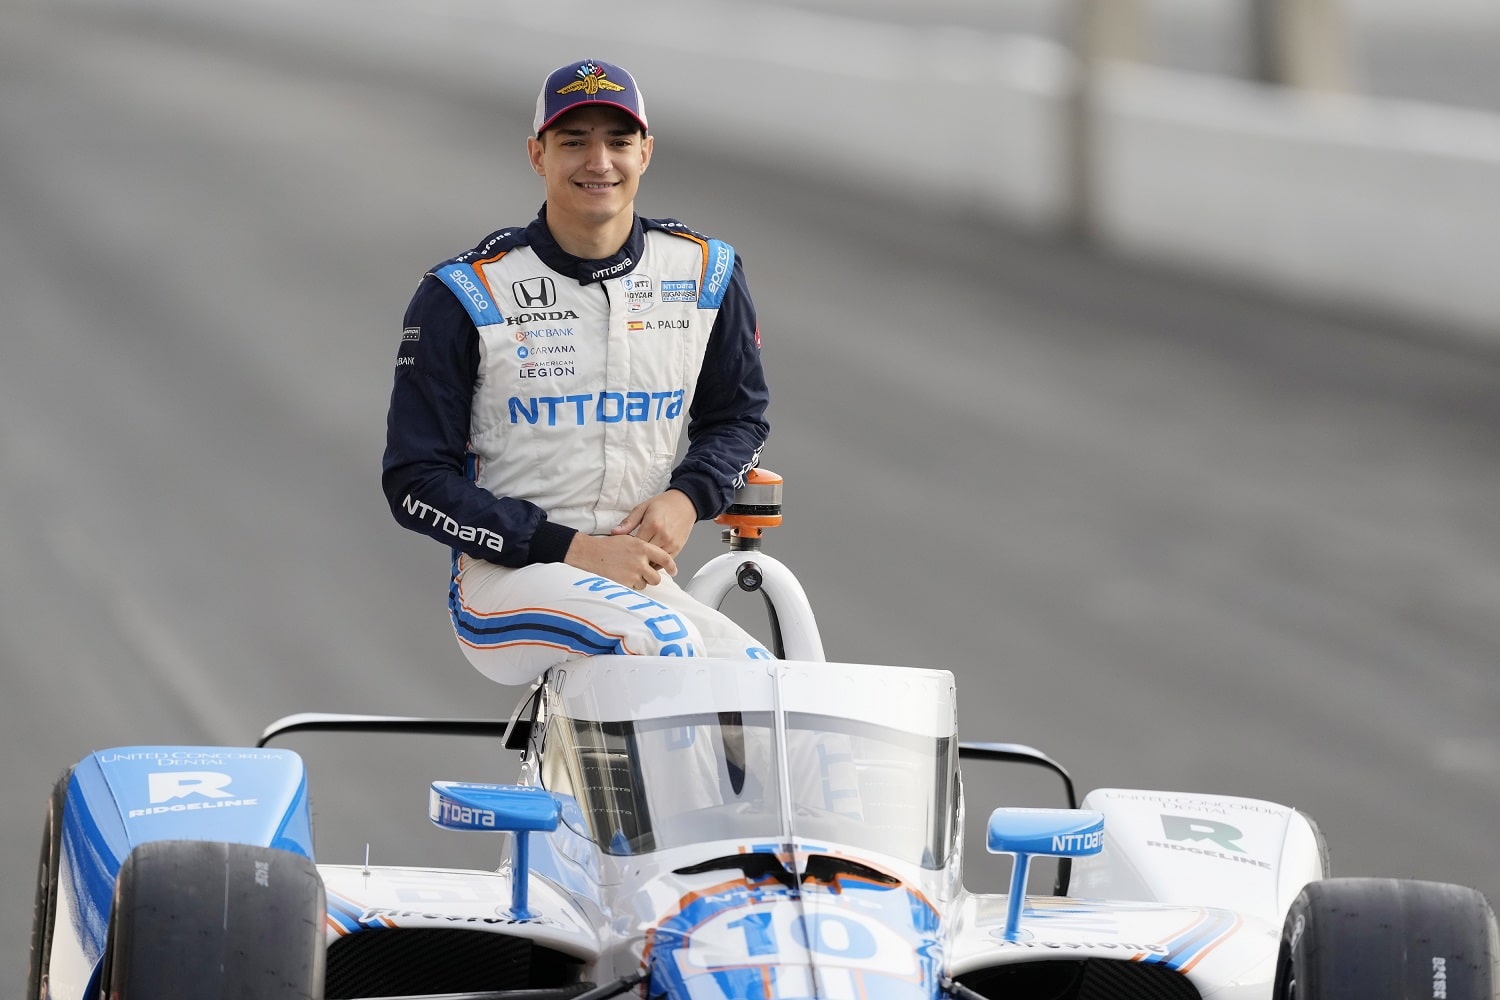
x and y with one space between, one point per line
534 293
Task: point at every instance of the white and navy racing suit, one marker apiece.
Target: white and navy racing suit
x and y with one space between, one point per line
538 395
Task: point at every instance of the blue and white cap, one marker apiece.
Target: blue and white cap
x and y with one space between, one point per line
588 82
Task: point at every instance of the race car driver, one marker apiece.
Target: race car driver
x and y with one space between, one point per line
542 385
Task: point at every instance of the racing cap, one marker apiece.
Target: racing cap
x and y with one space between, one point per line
591 81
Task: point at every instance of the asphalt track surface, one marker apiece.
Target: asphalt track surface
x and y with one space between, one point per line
1179 537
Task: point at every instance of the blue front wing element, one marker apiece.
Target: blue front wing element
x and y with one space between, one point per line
118 799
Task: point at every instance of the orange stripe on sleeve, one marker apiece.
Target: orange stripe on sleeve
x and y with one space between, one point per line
479 266
702 245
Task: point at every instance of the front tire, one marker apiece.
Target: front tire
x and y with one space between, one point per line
1388 939
205 919
44 906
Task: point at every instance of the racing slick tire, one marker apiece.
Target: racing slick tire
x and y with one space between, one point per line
44 907
1388 939
205 919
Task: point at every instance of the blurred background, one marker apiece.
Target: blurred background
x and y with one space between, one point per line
1136 362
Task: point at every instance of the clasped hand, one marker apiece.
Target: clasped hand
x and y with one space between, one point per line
642 546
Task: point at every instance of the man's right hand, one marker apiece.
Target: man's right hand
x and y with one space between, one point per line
624 559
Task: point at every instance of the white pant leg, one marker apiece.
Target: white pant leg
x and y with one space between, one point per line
721 636
514 624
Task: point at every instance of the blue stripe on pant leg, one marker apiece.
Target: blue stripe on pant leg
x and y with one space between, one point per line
490 631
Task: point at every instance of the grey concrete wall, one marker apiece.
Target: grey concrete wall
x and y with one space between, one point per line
1375 205
1378 205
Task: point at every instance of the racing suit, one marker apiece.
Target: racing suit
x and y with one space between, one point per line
537 395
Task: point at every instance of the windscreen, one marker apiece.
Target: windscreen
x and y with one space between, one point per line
653 784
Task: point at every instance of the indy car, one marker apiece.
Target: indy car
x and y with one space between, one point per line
779 829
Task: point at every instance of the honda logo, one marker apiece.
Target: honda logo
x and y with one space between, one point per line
535 293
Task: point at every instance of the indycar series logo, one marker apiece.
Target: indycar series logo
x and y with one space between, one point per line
639 294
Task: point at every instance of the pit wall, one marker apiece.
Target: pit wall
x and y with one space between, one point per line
1381 207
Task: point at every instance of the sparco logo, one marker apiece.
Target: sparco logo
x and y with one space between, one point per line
540 317
535 293
720 272
461 278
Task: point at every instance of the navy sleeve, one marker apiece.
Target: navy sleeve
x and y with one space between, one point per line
425 471
727 422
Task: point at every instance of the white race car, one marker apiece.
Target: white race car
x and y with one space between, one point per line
784 829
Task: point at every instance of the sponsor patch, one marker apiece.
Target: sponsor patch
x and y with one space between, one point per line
543 333
679 291
638 292
410 334
552 316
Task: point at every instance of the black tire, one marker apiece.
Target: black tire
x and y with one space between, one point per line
211 920
1388 939
44 907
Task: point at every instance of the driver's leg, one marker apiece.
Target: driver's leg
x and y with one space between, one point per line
515 624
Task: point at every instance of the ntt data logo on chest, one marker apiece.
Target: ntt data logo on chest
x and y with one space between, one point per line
581 408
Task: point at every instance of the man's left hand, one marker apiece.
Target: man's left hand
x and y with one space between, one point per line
665 521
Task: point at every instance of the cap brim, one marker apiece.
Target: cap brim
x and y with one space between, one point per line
544 126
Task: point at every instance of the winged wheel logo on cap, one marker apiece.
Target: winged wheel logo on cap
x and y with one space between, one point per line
591 80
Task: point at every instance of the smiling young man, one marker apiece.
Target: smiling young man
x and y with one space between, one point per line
543 383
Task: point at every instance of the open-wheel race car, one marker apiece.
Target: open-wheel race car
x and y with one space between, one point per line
786 829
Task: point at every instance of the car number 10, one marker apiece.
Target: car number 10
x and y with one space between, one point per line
769 933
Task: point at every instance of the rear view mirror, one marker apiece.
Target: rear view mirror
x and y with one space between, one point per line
517 809
1029 833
